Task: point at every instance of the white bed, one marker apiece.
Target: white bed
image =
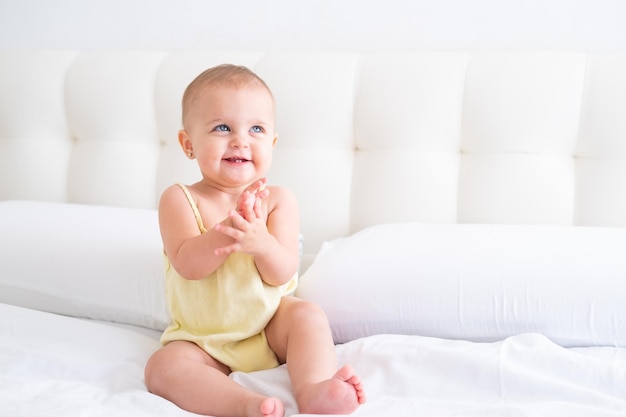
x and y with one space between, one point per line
463 220
101 373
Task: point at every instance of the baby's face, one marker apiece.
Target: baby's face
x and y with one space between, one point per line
232 133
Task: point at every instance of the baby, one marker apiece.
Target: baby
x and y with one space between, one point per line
231 256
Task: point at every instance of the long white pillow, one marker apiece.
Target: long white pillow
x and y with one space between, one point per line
95 262
474 282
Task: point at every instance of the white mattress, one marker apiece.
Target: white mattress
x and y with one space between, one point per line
52 365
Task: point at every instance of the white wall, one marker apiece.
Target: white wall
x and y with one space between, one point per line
360 25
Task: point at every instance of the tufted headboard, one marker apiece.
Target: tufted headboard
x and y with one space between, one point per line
521 137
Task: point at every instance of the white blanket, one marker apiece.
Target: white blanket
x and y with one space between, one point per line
53 365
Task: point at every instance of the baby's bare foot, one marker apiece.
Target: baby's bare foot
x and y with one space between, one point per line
268 407
341 394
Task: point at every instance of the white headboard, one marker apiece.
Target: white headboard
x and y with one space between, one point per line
521 137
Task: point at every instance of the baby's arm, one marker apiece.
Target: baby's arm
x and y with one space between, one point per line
190 252
279 262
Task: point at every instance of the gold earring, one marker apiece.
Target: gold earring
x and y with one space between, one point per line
190 154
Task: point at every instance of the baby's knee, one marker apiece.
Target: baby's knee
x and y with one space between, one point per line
159 368
307 311
153 373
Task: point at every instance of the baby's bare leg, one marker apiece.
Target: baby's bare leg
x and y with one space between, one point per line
186 375
300 335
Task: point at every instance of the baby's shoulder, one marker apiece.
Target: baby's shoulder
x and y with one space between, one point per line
282 197
173 192
281 193
178 197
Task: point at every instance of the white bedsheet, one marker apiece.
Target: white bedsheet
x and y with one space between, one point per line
52 366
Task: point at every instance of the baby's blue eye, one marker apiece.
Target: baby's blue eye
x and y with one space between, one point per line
222 128
257 129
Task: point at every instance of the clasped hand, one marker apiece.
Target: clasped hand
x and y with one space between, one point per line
248 222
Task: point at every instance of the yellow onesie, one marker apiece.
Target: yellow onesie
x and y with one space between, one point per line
226 312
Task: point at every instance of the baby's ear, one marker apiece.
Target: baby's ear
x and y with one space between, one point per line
274 141
185 143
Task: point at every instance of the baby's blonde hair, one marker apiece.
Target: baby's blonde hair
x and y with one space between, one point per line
223 75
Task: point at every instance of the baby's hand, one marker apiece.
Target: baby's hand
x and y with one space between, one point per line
249 228
249 202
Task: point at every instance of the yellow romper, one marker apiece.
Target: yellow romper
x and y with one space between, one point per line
226 312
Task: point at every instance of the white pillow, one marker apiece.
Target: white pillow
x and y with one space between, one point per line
474 282
85 261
